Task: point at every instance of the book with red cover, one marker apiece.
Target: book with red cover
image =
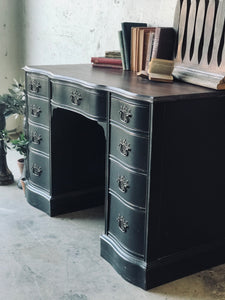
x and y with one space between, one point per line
107 66
106 60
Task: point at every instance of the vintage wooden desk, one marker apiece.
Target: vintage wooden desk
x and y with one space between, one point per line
154 152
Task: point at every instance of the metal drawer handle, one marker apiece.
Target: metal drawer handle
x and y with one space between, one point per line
36 138
123 224
35 111
34 86
125 114
124 147
123 184
75 97
36 170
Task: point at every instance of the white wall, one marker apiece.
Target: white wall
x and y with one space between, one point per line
11 41
70 31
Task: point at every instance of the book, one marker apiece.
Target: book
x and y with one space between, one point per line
138 37
164 40
121 48
161 70
144 37
106 60
113 54
126 34
148 56
107 66
133 57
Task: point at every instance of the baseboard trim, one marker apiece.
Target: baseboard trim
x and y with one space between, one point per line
64 203
160 271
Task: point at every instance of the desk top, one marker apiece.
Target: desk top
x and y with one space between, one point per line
125 83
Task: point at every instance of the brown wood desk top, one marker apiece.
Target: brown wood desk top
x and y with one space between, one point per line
125 83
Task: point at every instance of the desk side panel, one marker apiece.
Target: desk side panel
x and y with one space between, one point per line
187 177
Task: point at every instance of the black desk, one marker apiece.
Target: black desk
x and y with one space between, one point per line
154 152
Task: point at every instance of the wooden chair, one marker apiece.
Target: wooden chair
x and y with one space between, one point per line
200 51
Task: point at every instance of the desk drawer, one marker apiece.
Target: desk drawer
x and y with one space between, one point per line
37 85
38 110
39 138
129 185
135 117
39 170
88 102
131 149
126 225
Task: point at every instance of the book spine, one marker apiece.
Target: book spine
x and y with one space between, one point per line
126 32
113 54
121 48
156 43
105 60
126 50
164 43
149 50
107 66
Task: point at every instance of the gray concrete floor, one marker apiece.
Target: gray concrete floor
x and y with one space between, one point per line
58 258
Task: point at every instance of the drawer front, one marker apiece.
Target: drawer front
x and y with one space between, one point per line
37 85
38 110
135 117
131 149
39 170
39 138
131 186
88 102
126 225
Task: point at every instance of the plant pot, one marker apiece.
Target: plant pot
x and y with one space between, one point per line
20 163
23 183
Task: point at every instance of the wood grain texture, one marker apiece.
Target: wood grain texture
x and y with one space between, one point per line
208 31
190 30
201 51
198 30
181 29
218 34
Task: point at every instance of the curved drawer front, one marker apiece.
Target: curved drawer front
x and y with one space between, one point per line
39 170
129 185
126 225
37 85
135 117
39 138
89 102
38 110
129 148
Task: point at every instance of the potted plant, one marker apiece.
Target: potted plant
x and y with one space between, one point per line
4 138
21 145
6 176
15 106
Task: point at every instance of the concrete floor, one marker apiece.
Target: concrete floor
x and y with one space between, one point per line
43 258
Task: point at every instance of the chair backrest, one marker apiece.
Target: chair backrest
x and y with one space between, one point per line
200 50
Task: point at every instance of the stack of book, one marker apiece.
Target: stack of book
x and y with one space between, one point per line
139 44
125 42
112 59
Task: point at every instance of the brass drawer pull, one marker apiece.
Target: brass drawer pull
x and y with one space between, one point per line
123 224
124 147
34 86
36 170
36 138
75 97
35 111
125 114
123 184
